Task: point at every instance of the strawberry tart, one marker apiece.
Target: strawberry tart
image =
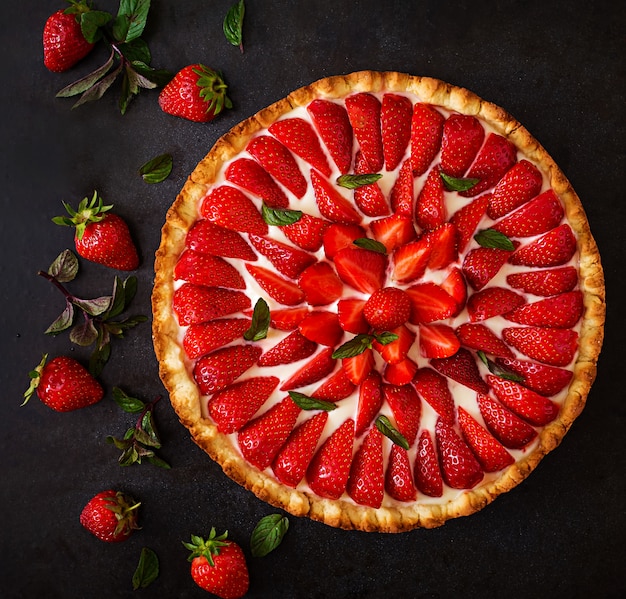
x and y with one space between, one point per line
378 303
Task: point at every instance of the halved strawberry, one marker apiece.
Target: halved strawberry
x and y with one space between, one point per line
559 311
280 289
287 259
492 301
350 313
370 401
338 236
220 368
480 337
521 183
394 231
482 264
287 319
463 136
322 327
541 378
250 175
358 367
467 218
387 308
364 113
197 303
300 137
312 371
411 260
402 194
426 134
430 209
399 482
362 269
331 203
553 248
550 281
506 427
232 407
459 467
333 125
494 159
307 233
429 302
406 408
400 373
229 207
204 337
320 284
208 238
207 270
433 388
462 368
369 198
444 248
438 340
555 347
329 469
336 387
537 216
428 479
292 348
397 350
454 284
366 482
396 114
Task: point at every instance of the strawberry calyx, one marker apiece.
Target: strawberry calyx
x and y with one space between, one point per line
212 89
35 378
125 509
207 548
88 211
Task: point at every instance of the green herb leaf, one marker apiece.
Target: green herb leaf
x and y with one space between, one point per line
65 267
98 359
90 23
98 90
370 244
147 569
260 322
84 334
268 534
129 404
157 169
499 370
490 238
64 321
131 19
136 51
357 345
233 24
94 307
383 424
458 183
280 216
88 81
311 403
385 338
356 181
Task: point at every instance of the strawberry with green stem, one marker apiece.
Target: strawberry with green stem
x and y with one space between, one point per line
111 516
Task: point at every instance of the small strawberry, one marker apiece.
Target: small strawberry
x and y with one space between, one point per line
318 367
387 308
362 269
480 337
101 236
395 116
369 198
426 134
287 260
492 301
287 319
438 340
506 427
400 373
331 203
462 368
111 516
207 270
292 348
406 408
229 207
250 175
560 311
553 248
320 284
535 217
427 473
337 386
429 302
399 482
196 93
206 237
541 378
350 313
397 350
467 218
430 209
278 288
433 388
204 337
551 281
358 367
197 303
463 135
444 248
339 236
322 327
63 384
333 125
307 233
482 264
364 114
222 367
394 231
555 347
459 467
218 566
370 401
521 183
366 482
411 260
402 194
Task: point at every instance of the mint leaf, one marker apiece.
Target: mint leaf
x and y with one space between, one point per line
147 569
356 181
499 370
260 322
91 22
280 216
268 534
88 81
370 244
383 424
357 345
65 267
311 403
131 19
129 404
490 238
157 169
84 334
62 322
385 338
233 24
458 183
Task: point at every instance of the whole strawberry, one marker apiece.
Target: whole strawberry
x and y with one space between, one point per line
196 93
218 566
111 516
100 236
63 41
64 385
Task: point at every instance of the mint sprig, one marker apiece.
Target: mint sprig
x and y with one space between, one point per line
268 534
362 342
233 24
260 322
490 238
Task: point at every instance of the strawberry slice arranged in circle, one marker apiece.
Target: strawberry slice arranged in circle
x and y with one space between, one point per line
494 159
427 473
402 195
282 290
292 348
208 238
287 260
429 302
364 113
521 183
220 368
331 203
369 402
504 425
369 198
559 311
541 378
333 125
462 368
426 135
399 482
320 284
362 269
394 231
492 301
358 367
318 367
210 271
433 388
463 136
555 347
553 248
467 218
539 215
322 327
438 340
204 337
230 208
396 114
307 233
366 482
550 281
406 408
250 175
430 209
198 303
480 337
459 467
339 236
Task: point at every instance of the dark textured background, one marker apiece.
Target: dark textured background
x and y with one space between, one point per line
558 67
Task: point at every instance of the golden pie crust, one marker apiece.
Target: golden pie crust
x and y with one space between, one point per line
185 395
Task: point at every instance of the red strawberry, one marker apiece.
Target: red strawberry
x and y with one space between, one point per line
328 472
338 236
204 337
406 407
350 313
333 125
396 351
110 515
232 407
402 194
480 337
400 373
433 387
322 327
395 116
331 203
494 159
287 259
430 209
210 271
320 284
429 302
362 269
261 439
411 260
279 162
63 41
398 476
492 301
335 387
467 218
366 482
521 183
307 233
454 284
459 467
443 243
206 237
462 368
426 134
555 347
315 369
250 175
489 452
394 231
505 426
364 113
387 308
438 340
220 368
370 401
280 289
428 479
546 282
543 379
369 198
292 348
553 248
358 367
293 458
196 303
230 208
533 218
100 236
218 566
463 135
287 319
559 311
300 137
63 384
196 93
482 264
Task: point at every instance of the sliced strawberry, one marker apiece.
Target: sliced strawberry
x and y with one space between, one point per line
438 340
364 113
397 350
387 308
322 327
398 476
229 207
494 159
459 467
206 237
366 483
338 236
293 458
551 281
300 137
287 259
521 183
555 347
467 218
426 134
394 231
480 337
406 408
312 371
400 373
454 284
430 209
411 260
553 248
232 407
535 217
278 161
197 303
350 313
362 269
370 401
280 289
395 116
433 388
320 284
492 301
250 175
429 302
204 337
462 368
444 248
482 264
307 233
559 311
463 136
428 479
505 426
333 125
331 203
204 269
402 194
329 469
261 439
490 453
336 387
292 348
369 198
287 319
358 367
220 368
541 378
